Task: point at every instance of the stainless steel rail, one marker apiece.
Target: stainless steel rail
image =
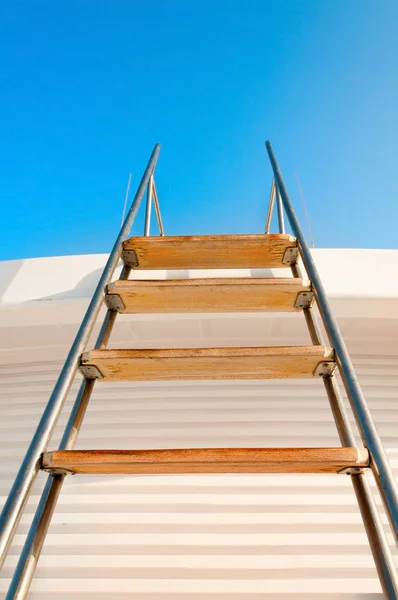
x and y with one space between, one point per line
379 462
379 546
27 563
27 473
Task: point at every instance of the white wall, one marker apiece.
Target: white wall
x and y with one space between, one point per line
196 537
345 272
228 537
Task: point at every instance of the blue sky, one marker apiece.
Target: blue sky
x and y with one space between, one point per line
88 88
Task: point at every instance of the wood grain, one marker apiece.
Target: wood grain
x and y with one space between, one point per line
210 251
208 363
208 460
209 295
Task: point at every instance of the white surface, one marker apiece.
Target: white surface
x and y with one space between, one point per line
229 537
199 537
348 273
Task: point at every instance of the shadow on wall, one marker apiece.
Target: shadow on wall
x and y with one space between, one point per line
86 286
9 270
84 289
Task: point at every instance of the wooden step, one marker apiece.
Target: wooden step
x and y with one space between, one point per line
210 251
207 363
207 460
208 295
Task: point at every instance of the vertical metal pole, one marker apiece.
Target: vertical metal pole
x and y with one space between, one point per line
281 220
379 546
379 461
30 466
157 208
126 199
27 563
270 207
147 228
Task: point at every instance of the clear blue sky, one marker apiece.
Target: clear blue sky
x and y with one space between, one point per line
88 87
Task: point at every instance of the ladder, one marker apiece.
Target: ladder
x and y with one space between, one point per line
205 295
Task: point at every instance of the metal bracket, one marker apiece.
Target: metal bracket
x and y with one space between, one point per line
91 372
59 471
114 302
129 258
304 300
325 369
291 255
352 470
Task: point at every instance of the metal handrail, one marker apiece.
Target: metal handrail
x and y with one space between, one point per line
379 462
378 542
379 545
30 466
29 557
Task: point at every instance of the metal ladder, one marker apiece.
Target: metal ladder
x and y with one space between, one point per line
124 295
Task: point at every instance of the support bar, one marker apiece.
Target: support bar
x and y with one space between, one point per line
147 227
281 220
379 461
157 208
270 207
27 473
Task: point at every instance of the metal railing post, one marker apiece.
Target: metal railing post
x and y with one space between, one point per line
379 461
270 207
157 208
147 227
281 220
30 466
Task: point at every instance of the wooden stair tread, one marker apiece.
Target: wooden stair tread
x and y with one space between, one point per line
208 295
209 251
206 363
208 460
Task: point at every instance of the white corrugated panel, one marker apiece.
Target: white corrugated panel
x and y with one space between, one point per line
196 537
199 537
